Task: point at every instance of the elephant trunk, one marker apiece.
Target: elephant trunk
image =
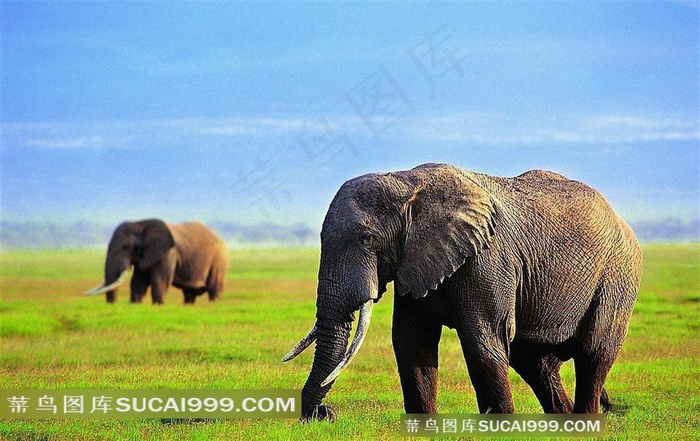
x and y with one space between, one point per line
115 274
109 288
331 341
116 270
331 333
360 334
336 304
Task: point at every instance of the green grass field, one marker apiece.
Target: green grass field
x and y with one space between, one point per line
53 337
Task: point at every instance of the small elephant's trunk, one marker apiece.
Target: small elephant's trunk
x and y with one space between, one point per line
103 287
115 274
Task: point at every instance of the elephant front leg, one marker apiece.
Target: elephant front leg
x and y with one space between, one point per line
159 286
139 286
415 340
488 370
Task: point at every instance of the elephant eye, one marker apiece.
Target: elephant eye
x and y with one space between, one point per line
367 239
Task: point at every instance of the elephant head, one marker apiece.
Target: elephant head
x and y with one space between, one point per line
140 244
415 228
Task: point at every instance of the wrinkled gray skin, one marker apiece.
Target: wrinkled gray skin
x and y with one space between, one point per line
531 271
189 256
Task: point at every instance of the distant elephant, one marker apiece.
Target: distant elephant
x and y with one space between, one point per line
531 271
189 256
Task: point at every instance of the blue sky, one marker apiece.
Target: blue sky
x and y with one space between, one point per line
258 112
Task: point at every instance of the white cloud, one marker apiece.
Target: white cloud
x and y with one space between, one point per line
67 143
230 130
625 121
254 126
461 127
497 128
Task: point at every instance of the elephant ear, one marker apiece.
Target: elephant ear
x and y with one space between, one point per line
155 242
448 219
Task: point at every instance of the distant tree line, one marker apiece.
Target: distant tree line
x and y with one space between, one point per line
37 235
668 230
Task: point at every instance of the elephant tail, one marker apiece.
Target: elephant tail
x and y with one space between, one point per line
605 401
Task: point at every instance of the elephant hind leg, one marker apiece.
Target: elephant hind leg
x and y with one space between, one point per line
599 346
605 401
590 376
592 366
214 288
539 367
214 292
215 282
190 295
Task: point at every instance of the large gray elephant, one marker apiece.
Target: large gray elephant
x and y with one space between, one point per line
531 271
189 256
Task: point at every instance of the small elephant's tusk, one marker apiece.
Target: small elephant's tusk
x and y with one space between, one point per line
360 333
94 290
301 346
102 288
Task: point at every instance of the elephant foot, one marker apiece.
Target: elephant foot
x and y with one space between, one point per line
322 413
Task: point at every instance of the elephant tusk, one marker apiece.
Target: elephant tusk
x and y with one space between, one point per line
360 333
102 288
301 346
92 291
